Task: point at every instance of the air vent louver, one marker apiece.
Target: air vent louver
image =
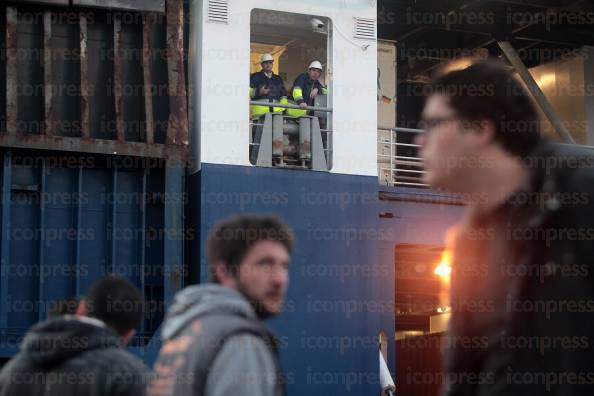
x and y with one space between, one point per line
365 28
218 11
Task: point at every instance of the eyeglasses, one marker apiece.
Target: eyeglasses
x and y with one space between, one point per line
427 124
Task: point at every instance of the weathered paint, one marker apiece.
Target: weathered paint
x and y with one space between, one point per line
178 116
84 77
147 25
11 70
47 73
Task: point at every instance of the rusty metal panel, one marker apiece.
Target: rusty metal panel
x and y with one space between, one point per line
62 106
160 79
133 96
99 65
147 23
277 138
84 77
48 83
95 146
138 5
11 70
96 75
118 77
47 2
178 117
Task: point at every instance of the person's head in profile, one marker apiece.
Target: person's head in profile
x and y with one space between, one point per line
115 301
477 121
251 254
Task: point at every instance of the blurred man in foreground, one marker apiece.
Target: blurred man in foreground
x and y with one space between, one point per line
522 287
82 354
214 342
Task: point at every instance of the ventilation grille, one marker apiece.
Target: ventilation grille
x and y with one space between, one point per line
218 11
365 28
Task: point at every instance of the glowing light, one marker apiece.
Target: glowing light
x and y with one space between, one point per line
444 268
546 79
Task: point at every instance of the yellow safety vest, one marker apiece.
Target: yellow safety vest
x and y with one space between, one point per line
298 93
256 111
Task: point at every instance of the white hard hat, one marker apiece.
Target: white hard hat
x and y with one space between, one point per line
316 65
266 58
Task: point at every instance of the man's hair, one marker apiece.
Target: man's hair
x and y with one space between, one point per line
117 302
487 90
232 239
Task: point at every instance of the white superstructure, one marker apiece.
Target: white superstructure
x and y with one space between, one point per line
220 52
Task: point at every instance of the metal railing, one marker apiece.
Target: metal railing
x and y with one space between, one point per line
403 170
325 131
290 106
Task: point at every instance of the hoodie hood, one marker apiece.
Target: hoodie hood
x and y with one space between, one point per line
196 301
53 341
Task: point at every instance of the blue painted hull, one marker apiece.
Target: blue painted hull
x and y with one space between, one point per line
341 293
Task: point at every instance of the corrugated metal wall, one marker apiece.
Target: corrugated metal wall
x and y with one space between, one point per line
419 369
92 175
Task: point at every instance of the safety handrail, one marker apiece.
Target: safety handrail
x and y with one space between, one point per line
397 176
400 129
290 106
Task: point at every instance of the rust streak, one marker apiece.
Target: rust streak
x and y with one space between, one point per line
177 132
118 77
96 146
305 149
47 74
84 79
277 146
11 70
147 21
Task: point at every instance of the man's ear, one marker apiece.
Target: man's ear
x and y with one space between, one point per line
81 310
485 132
223 276
128 336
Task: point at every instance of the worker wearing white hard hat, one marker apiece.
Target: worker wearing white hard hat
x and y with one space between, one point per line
266 86
307 87
316 65
266 58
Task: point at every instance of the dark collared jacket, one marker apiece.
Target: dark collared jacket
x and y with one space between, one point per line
274 83
523 286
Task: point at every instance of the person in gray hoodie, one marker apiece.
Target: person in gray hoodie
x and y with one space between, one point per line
214 342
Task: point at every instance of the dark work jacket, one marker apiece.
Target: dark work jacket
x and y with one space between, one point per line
522 286
302 88
71 357
274 83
